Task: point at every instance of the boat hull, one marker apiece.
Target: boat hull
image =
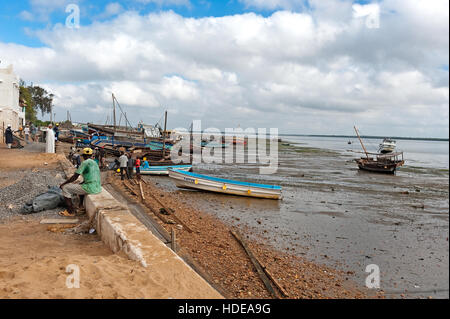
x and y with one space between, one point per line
211 184
384 168
164 170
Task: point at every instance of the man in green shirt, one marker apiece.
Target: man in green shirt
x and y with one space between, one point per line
91 185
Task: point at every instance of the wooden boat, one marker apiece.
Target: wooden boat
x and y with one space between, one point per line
225 186
379 163
387 163
164 169
214 144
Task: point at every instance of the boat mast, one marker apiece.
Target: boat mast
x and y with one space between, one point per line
362 144
114 110
164 134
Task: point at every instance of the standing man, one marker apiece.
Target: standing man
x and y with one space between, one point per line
26 130
123 161
102 157
130 166
50 140
56 129
91 184
9 136
33 132
137 166
76 159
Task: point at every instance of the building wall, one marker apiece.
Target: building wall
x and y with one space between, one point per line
10 110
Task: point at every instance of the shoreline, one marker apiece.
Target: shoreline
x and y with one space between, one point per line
213 247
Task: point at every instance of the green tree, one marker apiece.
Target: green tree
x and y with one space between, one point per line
25 95
36 98
41 98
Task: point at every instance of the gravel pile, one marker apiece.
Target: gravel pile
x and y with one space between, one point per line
33 183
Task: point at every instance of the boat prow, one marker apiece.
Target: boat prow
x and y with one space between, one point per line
184 179
163 170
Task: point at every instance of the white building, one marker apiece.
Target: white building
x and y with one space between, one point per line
10 110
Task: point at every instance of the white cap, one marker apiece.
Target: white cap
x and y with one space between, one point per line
9 125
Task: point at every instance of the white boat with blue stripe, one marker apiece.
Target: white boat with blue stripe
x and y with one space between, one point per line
163 170
184 179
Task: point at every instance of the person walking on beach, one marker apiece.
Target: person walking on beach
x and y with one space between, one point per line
91 184
123 161
50 140
9 136
33 132
26 130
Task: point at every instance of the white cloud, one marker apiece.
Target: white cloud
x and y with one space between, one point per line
40 10
313 71
111 9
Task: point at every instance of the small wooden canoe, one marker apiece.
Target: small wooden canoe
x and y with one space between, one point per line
163 170
213 184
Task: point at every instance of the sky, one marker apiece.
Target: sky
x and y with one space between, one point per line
302 66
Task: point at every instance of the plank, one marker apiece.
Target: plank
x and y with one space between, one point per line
142 192
255 263
59 221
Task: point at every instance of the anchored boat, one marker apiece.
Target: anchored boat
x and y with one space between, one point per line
379 163
387 146
225 186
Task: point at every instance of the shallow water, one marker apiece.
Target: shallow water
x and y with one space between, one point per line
335 214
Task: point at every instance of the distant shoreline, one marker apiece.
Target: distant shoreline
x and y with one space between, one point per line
374 137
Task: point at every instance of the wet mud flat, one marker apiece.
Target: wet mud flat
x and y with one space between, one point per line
335 214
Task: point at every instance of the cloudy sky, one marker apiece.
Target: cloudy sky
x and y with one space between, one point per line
303 66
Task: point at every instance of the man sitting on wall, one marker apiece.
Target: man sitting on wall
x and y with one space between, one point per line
91 184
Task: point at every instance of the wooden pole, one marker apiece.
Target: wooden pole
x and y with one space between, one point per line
114 110
142 192
255 263
173 240
362 144
164 135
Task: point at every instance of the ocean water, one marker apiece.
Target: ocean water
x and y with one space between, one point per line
418 153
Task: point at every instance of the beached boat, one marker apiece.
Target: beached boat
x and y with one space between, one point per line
164 170
225 186
214 144
387 146
379 163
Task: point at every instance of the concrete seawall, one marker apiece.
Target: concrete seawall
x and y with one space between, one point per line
121 231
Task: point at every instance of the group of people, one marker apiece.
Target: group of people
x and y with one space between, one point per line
24 132
127 164
98 155
90 170
29 133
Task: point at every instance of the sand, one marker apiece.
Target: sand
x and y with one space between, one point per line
33 264
34 257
